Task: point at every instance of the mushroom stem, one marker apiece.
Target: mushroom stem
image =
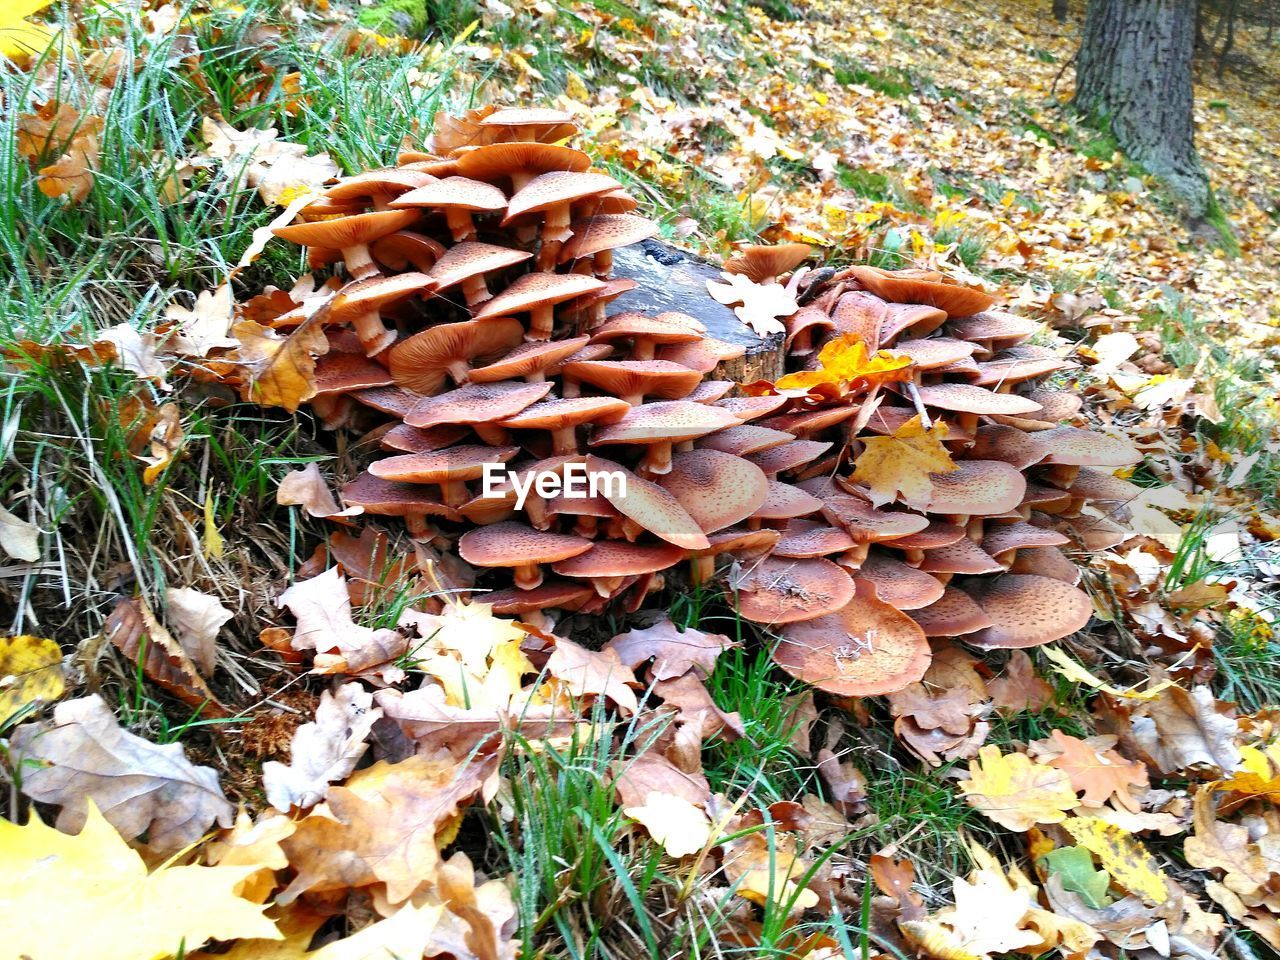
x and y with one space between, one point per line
605 586
461 225
459 370
587 527
420 528
548 253
642 348
374 336
535 509
635 399
333 410
359 262
454 492
528 576
855 556
542 322
564 441
475 291
701 569
657 458
493 435
631 529
603 264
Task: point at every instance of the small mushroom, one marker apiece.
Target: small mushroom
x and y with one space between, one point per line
608 563
405 248
597 237
788 456
519 162
633 380
811 538
337 377
716 489
378 187
1027 611
511 544
764 264
538 294
659 425
745 439
449 469
905 286
407 439
562 417
743 544
467 263
645 334
532 606
480 405
391 498
553 194
361 302
952 615
647 506
459 198
897 584
422 362
352 235
533 360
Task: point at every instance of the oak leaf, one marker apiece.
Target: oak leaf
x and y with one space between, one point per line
257 845
1016 792
84 756
306 487
1124 858
680 827
108 906
71 175
987 918
1100 773
134 630
19 538
206 326
1180 729
898 466
590 673
280 371
761 305
1020 688
30 671
196 619
1249 866
673 652
846 365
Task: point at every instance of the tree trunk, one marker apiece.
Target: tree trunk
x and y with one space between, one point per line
1231 36
1060 10
1134 73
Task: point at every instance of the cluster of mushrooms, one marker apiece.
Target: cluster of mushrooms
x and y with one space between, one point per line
472 328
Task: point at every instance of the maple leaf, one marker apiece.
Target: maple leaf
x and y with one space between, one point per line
280 370
85 758
761 305
1099 773
1128 862
1016 792
846 365
21 40
31 668
207 325
108 906
898 466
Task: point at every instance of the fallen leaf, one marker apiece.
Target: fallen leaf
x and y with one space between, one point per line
1181 729
681 828
207 325
306 487
987 918
196 619
1130 865
72 174
1258 774
762 306
109 906
30 671
1016 792
257 845
894 878
164 441
1073 866
1020 688
845 365
280 370
590 673
84 756
19 538
1100 774
133 629
898 466
673 652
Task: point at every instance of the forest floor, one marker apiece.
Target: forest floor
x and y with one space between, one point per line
135 174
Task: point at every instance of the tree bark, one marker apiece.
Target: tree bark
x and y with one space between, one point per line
1231 36
1134 73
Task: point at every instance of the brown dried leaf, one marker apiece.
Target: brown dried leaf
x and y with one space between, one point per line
280 371
1020 688
588 673
672 651
134 630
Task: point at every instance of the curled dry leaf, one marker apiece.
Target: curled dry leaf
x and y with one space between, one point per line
1180 730
681 828
588 673
846 783
206 326
280 371
72 174
19 538
673 652
1020 688
306 487
134 630
85 756
108 906
196 619
322 751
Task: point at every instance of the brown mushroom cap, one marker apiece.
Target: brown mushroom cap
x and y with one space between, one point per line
1008 444
469 259
559 187
609 231
709 391
811 421
865 649
466 462
745 439
1046 562
373 293
863 315
635 378
481 403
650 506
511 544
788 456
421 362
409 439
1056 405
918 318
630 326
557 414
458 193
348 231
535 357
1097 486
993 325
554 594
759 263
953 615
529 117
347 373
392 498
964 556
374 183
716 489
502 160
740 542
1027 611
902 287
897 584
934 352
1073 446
703 355
866 524
981 488
390 400
610 558
779 590
670 420
1017 369
785 501
752 408
1000 538
966 398
811 538
535 290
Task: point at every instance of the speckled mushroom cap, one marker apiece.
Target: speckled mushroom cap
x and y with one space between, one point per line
650 506
863 315
511 544
783 501
350 231
759 263
999 538
808 320
866 524
1005 370
1027 611
348 372
1007 444
788 456
555 414
993 325
501 160
639 327
390 400
421 362
559 187
409 439
963 557
610 558
704 355
393 498
1073 446
538 290
745 439
602 296
1046 562
934 352
553 594
1056 404
740 542
980 488
609 231
373 293
529 117
752 408
781 590
716 489
651 378
615 201
897 584
811 538
377 182
1098 486
458 193
956 300
864 649
669 420
476 403
810 421
526 359
918 318
1047 499
466 462
966 398
709 391
954 614
469 259
405 248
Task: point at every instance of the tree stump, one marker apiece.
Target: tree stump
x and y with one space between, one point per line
672 279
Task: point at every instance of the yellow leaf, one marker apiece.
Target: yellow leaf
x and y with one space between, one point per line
107 905
1017 792
1128 862
1076 673
30 669
1257 776
212 538
844 363
19 40
898 466
682 828
281 370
